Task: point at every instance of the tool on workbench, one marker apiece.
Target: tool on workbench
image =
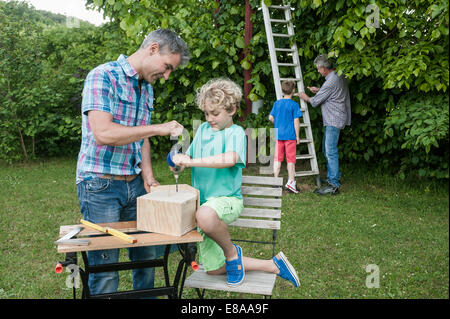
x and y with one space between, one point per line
176 168
111 231
68 240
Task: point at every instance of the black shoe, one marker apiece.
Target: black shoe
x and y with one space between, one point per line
329 189
324 181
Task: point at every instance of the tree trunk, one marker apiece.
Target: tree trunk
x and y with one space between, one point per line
22 142
248 33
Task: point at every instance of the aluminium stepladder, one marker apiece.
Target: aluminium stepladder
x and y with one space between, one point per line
285 22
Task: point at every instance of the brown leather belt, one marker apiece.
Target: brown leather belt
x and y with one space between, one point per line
126 178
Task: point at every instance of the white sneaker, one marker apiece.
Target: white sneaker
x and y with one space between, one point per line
292 187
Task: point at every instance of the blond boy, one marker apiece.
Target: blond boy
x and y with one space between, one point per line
217 156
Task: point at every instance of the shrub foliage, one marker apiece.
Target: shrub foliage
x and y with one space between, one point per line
393 53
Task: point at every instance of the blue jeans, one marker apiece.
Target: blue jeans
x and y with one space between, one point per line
330 150
106 201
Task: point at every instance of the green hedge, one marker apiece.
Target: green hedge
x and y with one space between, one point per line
394 54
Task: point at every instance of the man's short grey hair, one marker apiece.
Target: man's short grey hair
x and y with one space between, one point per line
169 42
322 62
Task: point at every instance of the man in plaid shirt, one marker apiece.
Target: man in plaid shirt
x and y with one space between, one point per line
114 165
334 99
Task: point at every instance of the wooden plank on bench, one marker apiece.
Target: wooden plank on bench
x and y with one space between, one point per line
263 191
255 282
261 212
262 202
256 223
262 180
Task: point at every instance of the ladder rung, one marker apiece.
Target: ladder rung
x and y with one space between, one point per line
281 35
284 49
306 173
290 79
279 7
304 125
287 64
279 20
305 156
306 140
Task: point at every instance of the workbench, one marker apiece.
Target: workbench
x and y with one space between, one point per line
101 241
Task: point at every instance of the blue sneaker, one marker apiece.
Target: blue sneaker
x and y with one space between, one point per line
235 269
286 270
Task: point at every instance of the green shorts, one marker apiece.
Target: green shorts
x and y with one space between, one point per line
228 209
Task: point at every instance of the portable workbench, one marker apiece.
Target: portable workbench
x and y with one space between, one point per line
101 241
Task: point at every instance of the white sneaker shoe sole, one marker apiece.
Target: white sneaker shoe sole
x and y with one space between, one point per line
290 268
292 189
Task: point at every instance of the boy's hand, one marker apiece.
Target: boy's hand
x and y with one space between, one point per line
181 160
298 140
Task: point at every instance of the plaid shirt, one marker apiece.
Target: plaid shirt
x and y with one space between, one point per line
335 100
113 87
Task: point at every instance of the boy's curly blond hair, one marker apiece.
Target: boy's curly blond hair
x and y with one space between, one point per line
219 93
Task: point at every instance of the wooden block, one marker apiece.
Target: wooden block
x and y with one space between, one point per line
166 211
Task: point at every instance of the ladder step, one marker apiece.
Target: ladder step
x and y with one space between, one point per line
284 49
307 173
304 125
305 156
279 7
306 140
290 79
279 20
281 35
287 64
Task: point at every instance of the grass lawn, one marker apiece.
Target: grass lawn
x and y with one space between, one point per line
401 227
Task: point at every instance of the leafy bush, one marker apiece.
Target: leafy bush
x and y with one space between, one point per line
20 69
43 64
420 125
393 53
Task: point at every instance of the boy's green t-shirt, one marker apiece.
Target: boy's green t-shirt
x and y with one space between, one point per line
215 182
